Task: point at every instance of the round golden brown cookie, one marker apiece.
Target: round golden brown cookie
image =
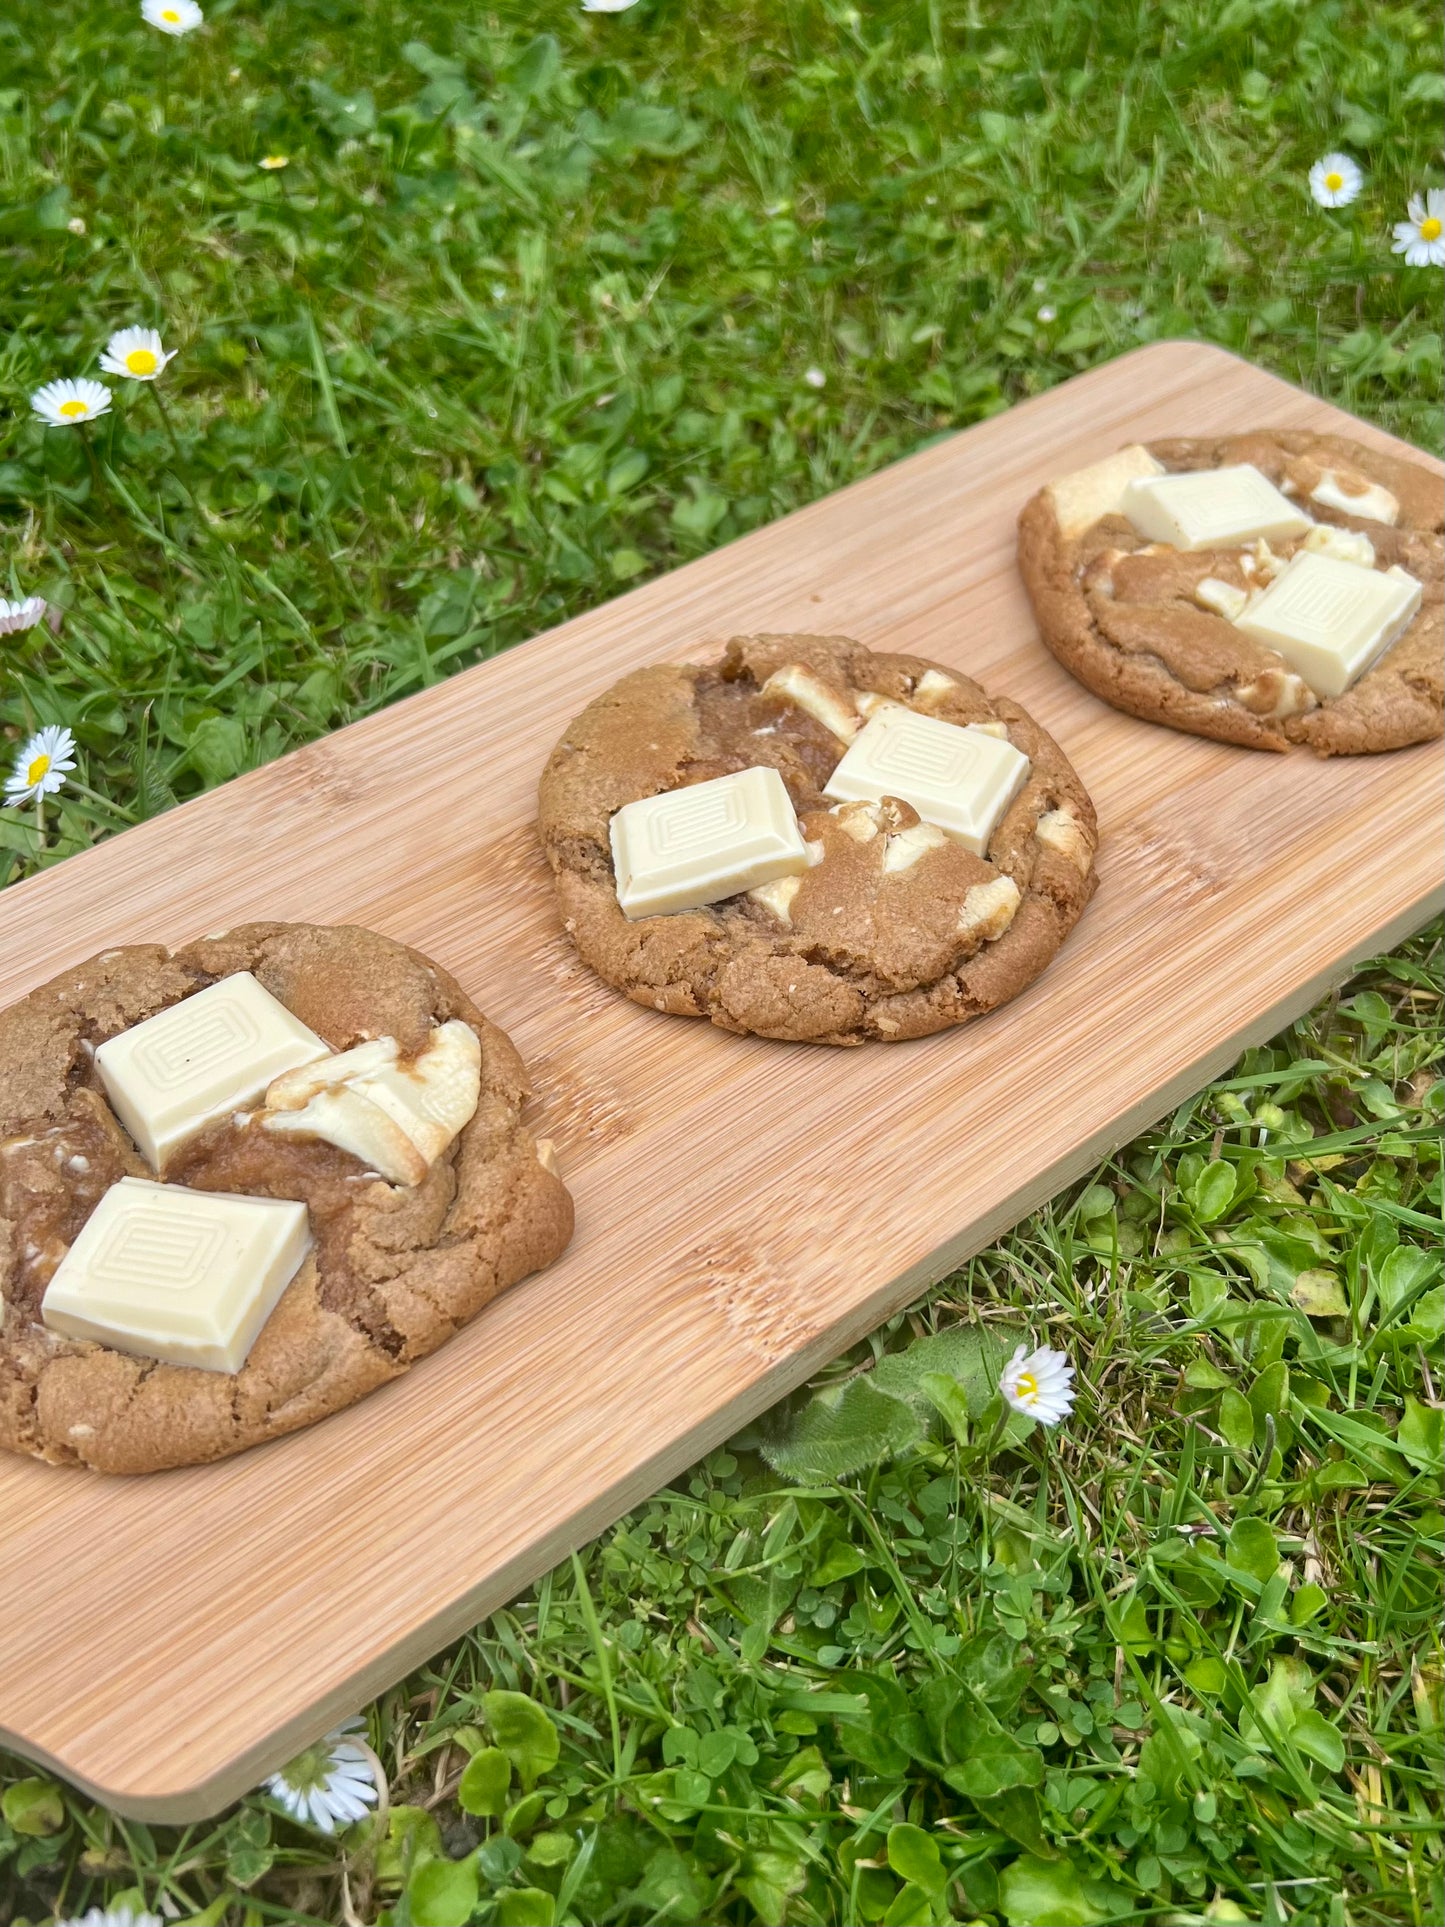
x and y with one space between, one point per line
894 931
395 1270
1150 628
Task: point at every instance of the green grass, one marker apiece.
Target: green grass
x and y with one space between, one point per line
531 314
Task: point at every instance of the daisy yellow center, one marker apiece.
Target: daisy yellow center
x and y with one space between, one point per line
72 410
1430 229
1027 1387
37 770
141 361
169 13
1334 182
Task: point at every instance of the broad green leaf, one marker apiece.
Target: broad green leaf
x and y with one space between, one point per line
913 1855
1046 1893
968 1354
1236 1420
484 1782
443 1893
521 1818
911 1906
950 1401
1019 1814
841 1561
33 1807
525 1907
769 1881
412 1835
220 749
1313 1734
551 1848
842 1430
524 1731
1276 1705
1212 1192
996 1762
1421 1434
1319 1294
537 69
1308 1600
1253 1549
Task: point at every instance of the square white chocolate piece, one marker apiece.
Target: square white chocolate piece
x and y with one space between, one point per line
695 846
1212 508
199 1060
1331 620
1085 497
186 1277
958 778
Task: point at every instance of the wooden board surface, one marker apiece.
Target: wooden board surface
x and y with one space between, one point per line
745 1210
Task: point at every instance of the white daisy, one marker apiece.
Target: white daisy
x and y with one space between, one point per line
273 163
607 6
1335 180
815 378
1421 239
331 1784
1039 1383
15 616
135 353
41 765
63 404
112 1917
171 16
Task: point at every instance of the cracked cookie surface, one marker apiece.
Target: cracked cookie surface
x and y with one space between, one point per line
1131 620
895 931
394 1272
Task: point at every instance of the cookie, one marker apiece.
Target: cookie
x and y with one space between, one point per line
1155 629
895 930
394 1270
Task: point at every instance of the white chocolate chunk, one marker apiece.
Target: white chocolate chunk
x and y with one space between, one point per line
1212 508
797 684
295 1088
777 896
434 1096
1373 501
689 847
868 702
960 779
186 1277
397 1118
1331 620
1262 562
862 821
351 1122
1085 497
199 1060
1277 693
1220 598
988 909
1061 831
932 686
1345 545
905 847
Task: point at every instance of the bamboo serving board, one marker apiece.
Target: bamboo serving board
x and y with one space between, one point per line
745 1210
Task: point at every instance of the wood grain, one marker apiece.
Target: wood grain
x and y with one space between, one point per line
745 1209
